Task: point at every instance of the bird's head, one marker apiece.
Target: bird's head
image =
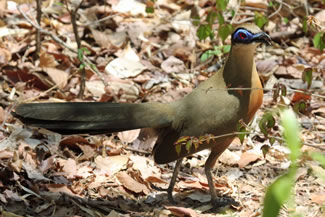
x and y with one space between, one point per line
249 34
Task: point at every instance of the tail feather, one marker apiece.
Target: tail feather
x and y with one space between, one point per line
94 118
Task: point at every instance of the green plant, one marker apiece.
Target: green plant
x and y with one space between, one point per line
217 51
281 190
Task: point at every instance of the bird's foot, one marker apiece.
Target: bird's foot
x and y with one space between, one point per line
170 196
169 192
158 188
220 202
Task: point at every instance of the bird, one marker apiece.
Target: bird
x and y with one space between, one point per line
231 95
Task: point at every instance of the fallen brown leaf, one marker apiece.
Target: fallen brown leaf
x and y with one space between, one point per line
247 158
129 183
181 211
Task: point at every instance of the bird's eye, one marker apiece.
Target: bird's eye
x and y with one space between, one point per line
242 35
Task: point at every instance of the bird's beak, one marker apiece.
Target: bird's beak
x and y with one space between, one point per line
262 38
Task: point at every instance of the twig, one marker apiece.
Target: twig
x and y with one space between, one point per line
61 42
267 89
38 33
253 8
73 15
260 134
235 14
277 11
137 151
53 36
98 21
248 19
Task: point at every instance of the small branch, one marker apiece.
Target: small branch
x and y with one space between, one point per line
210 138
277 11
38 33
87 62
73 15
266 89
235 14
98 21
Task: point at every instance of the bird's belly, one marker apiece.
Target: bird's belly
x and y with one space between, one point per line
216 114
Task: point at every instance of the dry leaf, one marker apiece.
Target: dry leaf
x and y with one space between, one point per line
128 136
173 65
145 166
112 164
95 87
229 157
6 154
59 77
60 188
124 68
247 158
129 183
181 211
5 56
130 6
70 168
47 60
318 198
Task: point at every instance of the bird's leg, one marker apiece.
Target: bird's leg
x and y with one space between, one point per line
173 180
216 202
208 166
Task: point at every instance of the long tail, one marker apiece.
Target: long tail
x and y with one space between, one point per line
94 117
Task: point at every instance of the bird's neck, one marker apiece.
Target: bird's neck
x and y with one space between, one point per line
240 66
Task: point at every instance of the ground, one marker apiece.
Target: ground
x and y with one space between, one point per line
141 57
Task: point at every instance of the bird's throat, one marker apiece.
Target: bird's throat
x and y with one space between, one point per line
239 67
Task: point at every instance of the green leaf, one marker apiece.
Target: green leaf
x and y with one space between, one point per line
59 3
242 129
305 25
266 123
300 107
307 76
209 53
265 149
206 55
281 190
221 19
233 12
285 20
270 4
93 66
204 31
216 51
224 31
291 133
188 146
278 89
82 66
80 55
271 140
178 149
81 52
260 20
212 15
150 6
226 48
319 157
276 194
319 41
222 4
196 20
150 10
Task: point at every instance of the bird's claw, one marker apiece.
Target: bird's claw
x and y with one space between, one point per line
224 201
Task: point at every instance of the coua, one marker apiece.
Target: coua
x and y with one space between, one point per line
232 94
